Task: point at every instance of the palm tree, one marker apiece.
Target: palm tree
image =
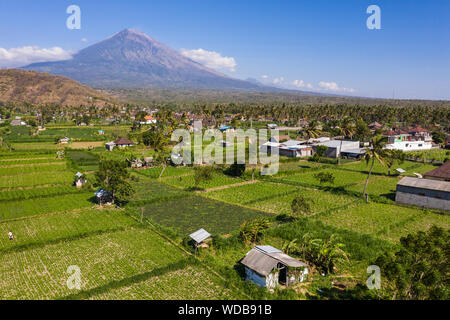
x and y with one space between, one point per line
347 129
375 151
312 130
393 156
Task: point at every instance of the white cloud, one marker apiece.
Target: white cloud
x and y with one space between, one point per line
298 83
333 86
302 84
265 77
211 59
279 80
84 40
18 57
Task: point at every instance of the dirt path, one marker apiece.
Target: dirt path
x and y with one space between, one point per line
229 186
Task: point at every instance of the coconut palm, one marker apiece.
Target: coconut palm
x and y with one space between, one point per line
374 152
312 130
392 157
347 129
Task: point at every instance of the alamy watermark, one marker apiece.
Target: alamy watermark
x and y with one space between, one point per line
74 20
74 280
240 146
374 20
374 280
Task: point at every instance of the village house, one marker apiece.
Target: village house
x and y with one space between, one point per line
338 148
135 163
409 139
442 173
375 126
64 140
148 120
268 267
123 143
80 180
110 146
18 122
201 238
103 196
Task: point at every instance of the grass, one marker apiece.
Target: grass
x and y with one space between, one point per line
342 178
436 154
36 179
134 262
37 192
47 229
277 198
186 182
379 186
32 168
383 220
32 207
194 212
168 172
36 146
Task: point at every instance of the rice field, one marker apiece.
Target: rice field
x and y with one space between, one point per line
195 212
384 220
32 168
187 181
277 198
342 178
32 207
36 179
134 260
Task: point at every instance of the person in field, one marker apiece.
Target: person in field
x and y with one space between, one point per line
10 235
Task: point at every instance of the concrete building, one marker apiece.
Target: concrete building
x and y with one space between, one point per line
335 147
409 139
428 193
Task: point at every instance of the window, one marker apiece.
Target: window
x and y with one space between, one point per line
421 194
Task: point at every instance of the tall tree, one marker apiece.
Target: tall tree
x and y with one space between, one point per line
420 269
113 176
374 152
391 157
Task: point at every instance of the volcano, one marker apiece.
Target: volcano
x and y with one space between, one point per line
132 59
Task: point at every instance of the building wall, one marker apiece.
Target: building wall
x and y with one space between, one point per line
423 197
409 145
251 275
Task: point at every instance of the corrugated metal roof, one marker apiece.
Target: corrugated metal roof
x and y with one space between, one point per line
291 143
263 259
425 184
337 143
356 151
259 262
268 249
200 235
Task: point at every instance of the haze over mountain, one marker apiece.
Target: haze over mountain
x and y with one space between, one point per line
132 59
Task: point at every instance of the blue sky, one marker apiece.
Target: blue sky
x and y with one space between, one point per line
324 45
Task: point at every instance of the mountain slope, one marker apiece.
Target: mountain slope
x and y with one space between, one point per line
43 88
131 59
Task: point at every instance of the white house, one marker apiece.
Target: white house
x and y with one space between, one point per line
409 139
336 147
